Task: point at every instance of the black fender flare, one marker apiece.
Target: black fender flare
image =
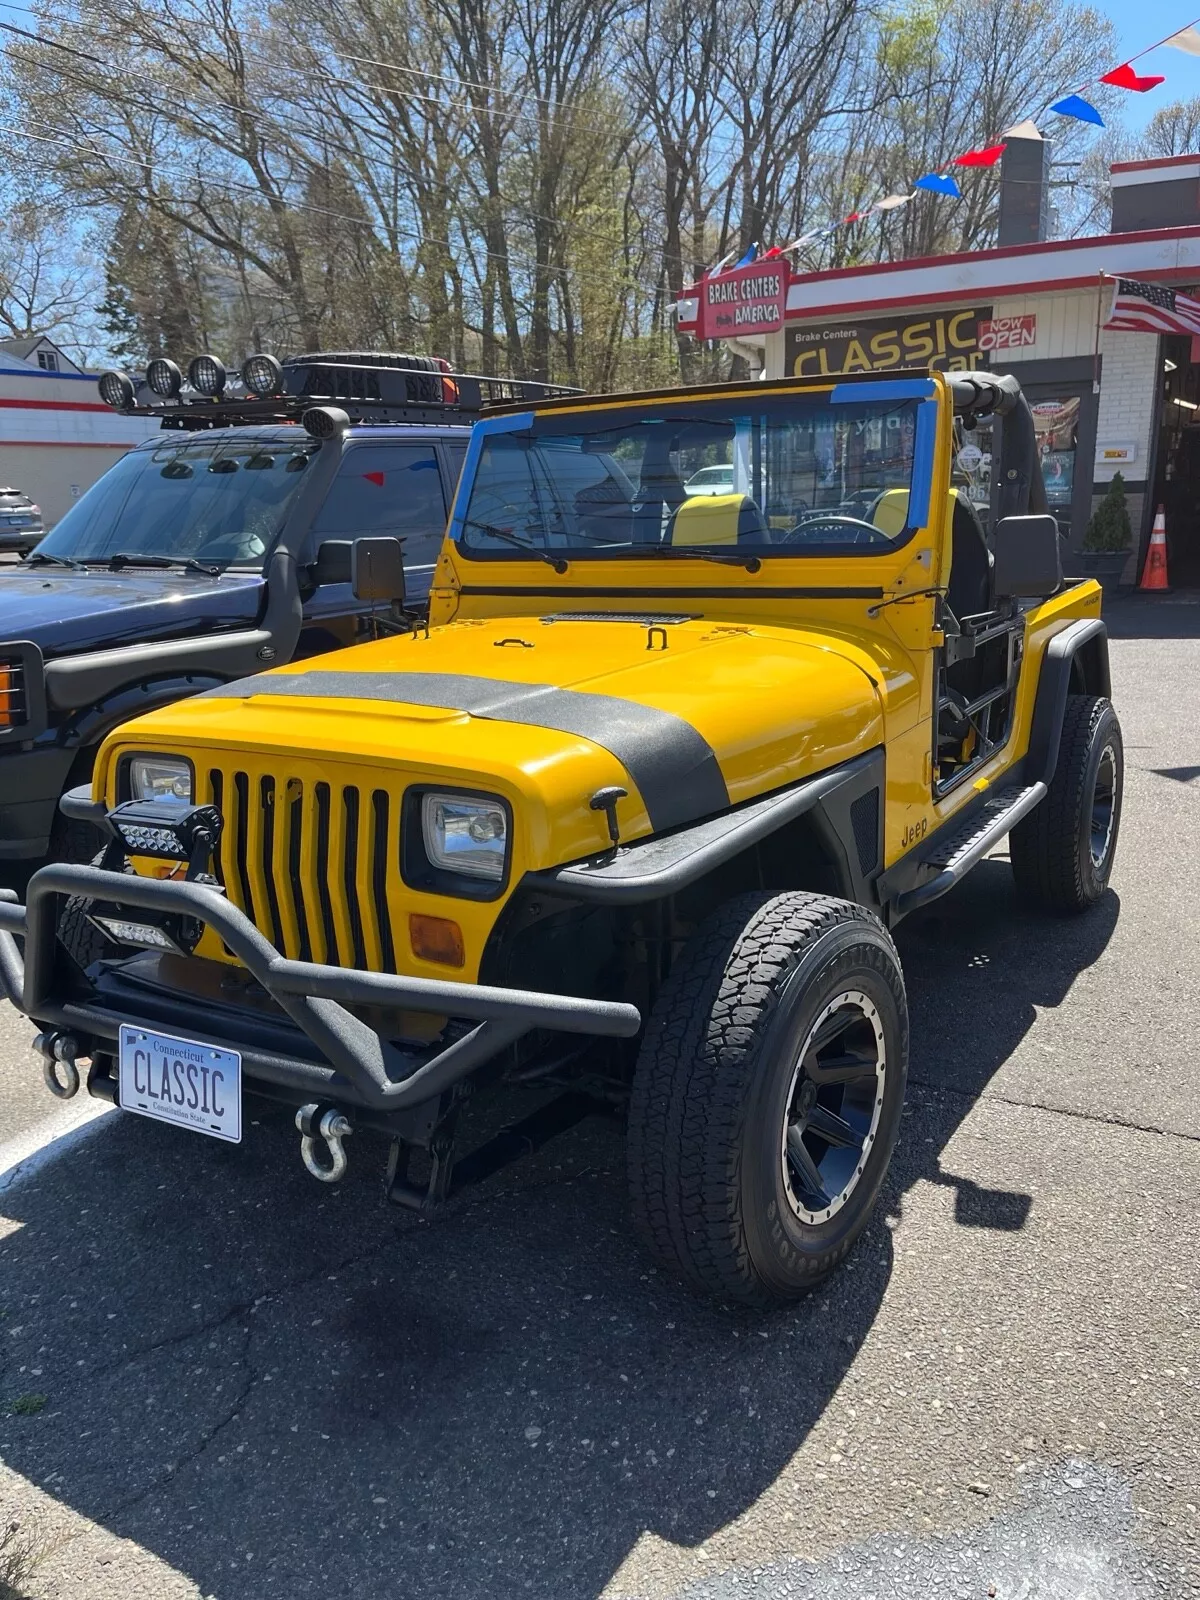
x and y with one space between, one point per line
88 729
1076 654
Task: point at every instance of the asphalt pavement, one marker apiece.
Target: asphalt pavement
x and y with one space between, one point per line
219 1379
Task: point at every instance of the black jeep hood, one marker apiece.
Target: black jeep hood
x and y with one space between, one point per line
65 611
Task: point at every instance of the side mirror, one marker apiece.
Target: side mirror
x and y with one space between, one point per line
333 563
378 569
1027 562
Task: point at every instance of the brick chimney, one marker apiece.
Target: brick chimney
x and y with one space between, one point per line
1024 191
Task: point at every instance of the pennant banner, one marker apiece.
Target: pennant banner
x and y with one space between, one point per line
1126 78
1071 105
1074 105
940 183
980 158
1187 39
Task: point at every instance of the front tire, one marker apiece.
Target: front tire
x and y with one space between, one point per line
767 1096
1062 853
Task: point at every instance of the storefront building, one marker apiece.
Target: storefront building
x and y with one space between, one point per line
56 435
1103 401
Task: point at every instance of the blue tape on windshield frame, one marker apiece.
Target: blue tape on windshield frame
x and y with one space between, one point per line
922 465
466 478
845 394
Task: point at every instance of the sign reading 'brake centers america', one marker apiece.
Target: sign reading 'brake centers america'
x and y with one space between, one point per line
947 339
745 301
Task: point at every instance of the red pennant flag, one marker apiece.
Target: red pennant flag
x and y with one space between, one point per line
1126 78
769 255
374 477
855 216
980 158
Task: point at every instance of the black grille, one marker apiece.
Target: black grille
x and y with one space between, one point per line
864 819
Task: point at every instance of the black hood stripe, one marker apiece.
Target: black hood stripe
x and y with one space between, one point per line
676 772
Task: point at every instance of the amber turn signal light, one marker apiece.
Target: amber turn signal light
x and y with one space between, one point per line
437 939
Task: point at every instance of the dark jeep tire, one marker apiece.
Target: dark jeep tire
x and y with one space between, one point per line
784 1018
1062 852
78 934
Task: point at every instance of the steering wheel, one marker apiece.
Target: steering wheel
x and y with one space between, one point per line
828 527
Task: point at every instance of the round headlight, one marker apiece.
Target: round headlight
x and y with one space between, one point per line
262 374
164 377
207 375
116 390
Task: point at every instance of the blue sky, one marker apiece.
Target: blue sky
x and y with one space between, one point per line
1138 24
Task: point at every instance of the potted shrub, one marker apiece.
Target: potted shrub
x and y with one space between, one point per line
1109 534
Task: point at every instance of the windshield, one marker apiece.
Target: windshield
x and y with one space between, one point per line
212 501
787 475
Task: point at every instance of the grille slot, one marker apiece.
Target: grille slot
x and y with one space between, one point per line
313 863
14 701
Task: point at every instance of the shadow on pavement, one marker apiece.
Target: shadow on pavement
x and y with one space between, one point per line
280 1389
1151 616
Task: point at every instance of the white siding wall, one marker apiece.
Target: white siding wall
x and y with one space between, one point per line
1132 369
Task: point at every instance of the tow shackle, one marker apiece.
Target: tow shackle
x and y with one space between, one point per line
330 1125
58 1051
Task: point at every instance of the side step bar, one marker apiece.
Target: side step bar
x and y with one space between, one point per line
956 855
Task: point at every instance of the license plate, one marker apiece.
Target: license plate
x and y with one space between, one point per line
193 1085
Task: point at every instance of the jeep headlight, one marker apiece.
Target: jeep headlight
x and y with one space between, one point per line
465 835
163 778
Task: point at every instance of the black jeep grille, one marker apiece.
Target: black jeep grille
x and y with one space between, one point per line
314 864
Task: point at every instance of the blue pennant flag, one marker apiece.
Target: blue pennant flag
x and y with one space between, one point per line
745 260
940 183
1074 105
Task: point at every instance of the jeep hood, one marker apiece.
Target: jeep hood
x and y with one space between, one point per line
65 611
687 716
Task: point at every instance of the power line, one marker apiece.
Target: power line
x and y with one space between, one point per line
317 134
66 142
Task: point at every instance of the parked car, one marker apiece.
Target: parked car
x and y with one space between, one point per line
222 544
628 826
21 524
711 480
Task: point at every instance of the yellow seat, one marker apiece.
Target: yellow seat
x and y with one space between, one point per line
891 510
710 519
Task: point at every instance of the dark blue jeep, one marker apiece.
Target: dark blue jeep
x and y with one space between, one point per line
221 545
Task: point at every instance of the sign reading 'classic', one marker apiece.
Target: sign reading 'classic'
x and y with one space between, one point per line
948 339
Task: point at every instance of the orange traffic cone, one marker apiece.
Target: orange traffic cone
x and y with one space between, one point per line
1154 573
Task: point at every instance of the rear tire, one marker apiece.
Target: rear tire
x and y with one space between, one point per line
783 1020
1062 853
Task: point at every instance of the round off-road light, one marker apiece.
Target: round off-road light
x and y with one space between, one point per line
116 390
325 422
262 374
207 376
164 377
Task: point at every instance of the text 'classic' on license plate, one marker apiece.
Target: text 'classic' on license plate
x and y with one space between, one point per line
194 1085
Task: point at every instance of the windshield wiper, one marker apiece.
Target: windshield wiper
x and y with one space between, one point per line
44 558
556 562
751 563
188 563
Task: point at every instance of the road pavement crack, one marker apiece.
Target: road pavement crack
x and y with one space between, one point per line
991 1098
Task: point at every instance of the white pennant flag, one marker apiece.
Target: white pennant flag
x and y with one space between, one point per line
1022 130
1187 39
891 201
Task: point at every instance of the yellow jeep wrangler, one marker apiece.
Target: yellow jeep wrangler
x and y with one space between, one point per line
626 822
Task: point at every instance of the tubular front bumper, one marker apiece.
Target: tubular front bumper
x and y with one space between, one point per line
350 1061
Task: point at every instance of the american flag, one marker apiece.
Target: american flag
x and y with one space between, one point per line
1149 308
